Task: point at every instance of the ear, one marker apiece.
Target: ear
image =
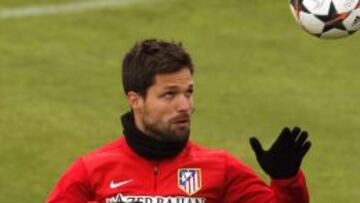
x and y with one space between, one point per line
135 101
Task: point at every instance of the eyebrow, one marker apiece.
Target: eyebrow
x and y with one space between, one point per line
175 87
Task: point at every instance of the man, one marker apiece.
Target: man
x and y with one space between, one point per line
155 162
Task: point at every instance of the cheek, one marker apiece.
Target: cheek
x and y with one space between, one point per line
158 112
192 102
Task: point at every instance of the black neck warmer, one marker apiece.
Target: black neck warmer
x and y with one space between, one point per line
147 146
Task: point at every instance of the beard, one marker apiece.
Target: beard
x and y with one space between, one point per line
168 131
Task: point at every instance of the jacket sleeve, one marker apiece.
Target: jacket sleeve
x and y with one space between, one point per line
73 186
242 185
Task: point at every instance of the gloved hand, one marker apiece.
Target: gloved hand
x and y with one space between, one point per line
284 158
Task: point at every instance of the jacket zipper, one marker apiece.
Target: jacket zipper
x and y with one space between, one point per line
156 175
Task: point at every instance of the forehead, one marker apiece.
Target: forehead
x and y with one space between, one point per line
181 78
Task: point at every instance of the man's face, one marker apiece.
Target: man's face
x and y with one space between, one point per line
165 112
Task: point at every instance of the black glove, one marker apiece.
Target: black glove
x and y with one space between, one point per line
284 158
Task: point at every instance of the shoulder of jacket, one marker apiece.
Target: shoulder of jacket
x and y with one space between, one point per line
221 155
202 151
112 148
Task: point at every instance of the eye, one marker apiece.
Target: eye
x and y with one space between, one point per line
189 93
168 94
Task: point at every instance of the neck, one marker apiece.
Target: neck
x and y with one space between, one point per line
146 145
138 123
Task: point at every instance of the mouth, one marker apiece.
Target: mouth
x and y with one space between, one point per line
183 121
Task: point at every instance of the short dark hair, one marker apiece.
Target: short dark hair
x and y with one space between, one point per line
149 58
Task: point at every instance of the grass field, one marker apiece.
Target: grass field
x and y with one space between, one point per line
256 71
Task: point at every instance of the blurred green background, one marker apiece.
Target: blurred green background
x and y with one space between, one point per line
256 71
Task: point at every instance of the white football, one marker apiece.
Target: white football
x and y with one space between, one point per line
329 19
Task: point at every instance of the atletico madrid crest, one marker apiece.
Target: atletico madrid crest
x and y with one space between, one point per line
189 180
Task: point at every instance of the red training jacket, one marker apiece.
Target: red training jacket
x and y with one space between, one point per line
115 173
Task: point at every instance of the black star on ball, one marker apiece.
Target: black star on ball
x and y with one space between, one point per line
333 19
298 6
356 21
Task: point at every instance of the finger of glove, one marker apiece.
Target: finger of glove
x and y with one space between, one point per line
301 140
256 146
304 149
296 130
283 140
295 133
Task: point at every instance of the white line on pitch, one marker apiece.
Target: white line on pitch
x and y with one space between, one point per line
63 8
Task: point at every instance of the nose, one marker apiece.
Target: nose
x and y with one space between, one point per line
184 104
